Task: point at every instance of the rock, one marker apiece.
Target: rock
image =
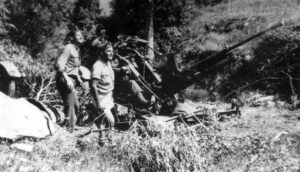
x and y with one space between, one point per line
253 98
269 104
248 58
266 100
280 104
277 137
22 147
25 168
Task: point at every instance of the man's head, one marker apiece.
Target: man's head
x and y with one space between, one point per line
79 37
75 35
108 52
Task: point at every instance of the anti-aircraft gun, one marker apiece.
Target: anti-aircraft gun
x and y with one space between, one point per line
164 81
170 78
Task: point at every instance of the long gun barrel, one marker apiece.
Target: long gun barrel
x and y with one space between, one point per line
187 77
227 50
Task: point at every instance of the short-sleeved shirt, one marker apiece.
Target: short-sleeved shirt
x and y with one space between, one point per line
69 60
105 74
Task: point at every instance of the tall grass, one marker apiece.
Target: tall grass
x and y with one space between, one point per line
159 148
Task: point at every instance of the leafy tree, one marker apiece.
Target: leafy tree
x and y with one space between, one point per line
130 17
39 31
4 25
207 2
134 18
87 16
37 21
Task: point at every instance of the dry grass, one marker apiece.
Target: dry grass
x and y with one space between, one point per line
61 152
261 140
246 144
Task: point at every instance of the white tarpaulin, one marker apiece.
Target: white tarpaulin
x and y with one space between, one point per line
20 118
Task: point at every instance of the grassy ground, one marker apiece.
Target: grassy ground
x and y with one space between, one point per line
261 140
61 152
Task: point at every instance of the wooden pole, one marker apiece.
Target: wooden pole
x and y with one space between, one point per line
151 31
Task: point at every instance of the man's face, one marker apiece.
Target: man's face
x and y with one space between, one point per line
79 37
109 53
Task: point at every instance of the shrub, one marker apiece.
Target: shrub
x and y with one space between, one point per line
194 94
154 147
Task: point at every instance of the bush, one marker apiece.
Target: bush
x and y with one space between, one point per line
154 147
194 94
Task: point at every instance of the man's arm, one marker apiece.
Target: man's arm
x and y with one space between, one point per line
95 77
95 93
62 60
60 66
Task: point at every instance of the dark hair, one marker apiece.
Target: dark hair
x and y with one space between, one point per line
104 47
107 45
72 32
99 29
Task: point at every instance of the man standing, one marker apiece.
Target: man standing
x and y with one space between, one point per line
67 77
102 85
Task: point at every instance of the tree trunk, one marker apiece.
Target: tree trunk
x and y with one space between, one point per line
151 31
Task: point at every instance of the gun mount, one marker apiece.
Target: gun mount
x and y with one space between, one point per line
169 78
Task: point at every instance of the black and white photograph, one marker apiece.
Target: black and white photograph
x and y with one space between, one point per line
149 85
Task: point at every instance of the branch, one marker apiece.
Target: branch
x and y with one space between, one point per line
291 82
32 86
278 70
252 83
297 79
43 88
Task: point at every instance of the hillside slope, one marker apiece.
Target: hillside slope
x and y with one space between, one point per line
272 58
